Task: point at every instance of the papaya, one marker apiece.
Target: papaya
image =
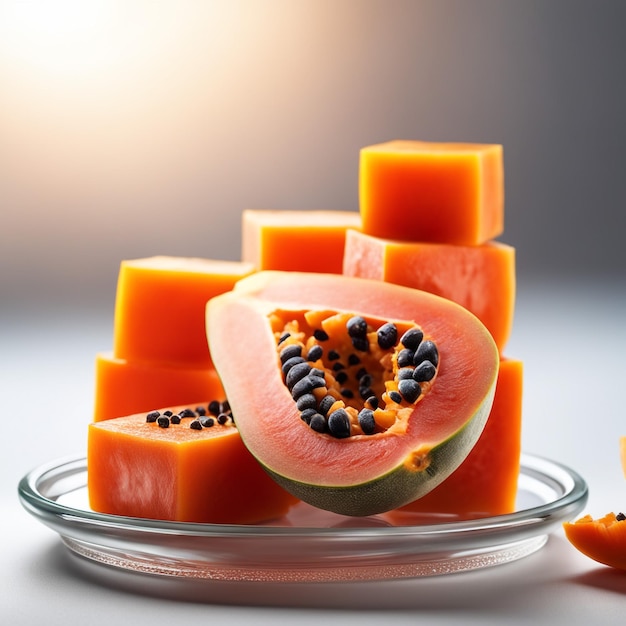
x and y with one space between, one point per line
603 539
186 463
481 278
357 396
303 241
485 483
428 191
124 387
159 307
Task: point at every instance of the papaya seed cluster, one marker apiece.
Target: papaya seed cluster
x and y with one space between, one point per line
351 377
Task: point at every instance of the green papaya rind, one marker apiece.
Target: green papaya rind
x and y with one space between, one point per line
401 485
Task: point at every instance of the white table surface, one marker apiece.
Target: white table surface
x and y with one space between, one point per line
572 337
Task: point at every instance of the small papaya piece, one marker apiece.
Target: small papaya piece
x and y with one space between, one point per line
437 192
303 241
480 278
124 387
159 307
603 539
147 465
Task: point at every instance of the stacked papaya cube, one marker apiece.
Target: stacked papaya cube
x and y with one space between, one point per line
184 461
429 214
428 218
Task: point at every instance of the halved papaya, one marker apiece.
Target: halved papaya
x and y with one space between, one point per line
357 396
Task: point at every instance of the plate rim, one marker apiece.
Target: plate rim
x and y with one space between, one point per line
36 503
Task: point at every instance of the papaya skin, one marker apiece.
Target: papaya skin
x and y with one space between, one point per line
365 474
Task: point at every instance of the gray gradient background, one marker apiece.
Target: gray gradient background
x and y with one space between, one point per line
266 105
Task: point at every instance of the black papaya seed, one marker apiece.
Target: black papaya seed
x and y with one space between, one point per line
354 359
372 402
307 401
289 363
387 336
333 355
360 343
307 414
293 349
395 396
427 351
304 385
315 353
367 421
325 403
365 392
356 326
298 371
412 338
318 423
320 334
405 372
405 357
339 424
341 377
424 372
409 389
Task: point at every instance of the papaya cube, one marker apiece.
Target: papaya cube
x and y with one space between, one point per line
304 241
140 469
160 307
486 482
480 278
436 192
123 387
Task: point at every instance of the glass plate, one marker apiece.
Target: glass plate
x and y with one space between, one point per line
308 545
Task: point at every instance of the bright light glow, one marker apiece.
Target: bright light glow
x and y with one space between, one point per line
63 37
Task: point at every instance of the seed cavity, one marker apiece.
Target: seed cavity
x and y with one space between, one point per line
352 376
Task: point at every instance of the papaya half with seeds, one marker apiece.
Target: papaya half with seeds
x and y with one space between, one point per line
357 396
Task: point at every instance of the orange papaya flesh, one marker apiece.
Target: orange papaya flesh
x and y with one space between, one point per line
481 278
603 539
288 240
159 307
485 483
362 474
124 387
438 192
189 466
